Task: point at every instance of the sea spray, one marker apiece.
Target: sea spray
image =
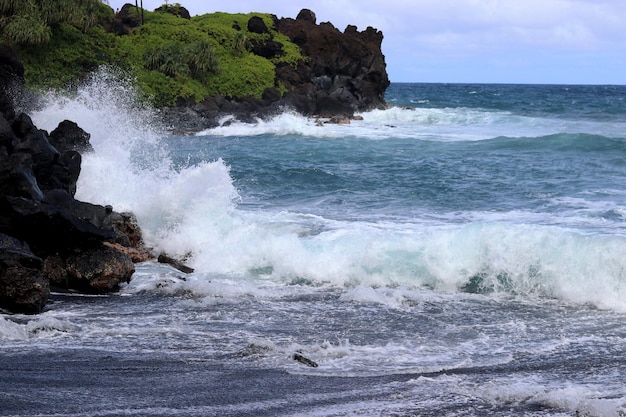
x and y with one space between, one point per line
194 210
130 168
438 276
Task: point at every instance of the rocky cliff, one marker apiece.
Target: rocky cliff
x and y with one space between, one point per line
344 71
341 73
50 239
47 237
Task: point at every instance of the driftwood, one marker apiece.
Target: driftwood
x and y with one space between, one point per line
305 361
164 259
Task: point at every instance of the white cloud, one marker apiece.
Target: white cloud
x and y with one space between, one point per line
528 31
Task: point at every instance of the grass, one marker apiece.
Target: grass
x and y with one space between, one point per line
170 57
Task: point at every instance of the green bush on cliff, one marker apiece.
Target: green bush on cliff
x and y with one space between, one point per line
31 22
170 57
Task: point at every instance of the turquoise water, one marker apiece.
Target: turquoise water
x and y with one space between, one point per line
460 253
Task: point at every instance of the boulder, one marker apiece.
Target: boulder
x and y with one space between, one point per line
126 19
22 286
68 136
267 49
306 15
257 25
56 224
94 270
176 10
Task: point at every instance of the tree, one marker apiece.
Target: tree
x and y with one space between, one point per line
139 7
196 59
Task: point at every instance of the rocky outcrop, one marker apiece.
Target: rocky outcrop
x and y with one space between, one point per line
127 18
68 136
22 286
341 73
47 237
176 10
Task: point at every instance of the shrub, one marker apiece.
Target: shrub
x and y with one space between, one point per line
169 57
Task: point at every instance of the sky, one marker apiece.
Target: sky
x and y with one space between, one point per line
471 41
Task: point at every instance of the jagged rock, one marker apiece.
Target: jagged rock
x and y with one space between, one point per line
346 70
304 360
271 95
341 73
138 254
176 10
268 49
41 219
56 224
127 18
16 174
127 228
339 120
30 165
94 270
22 286
257 25
129 238
306 15
68 136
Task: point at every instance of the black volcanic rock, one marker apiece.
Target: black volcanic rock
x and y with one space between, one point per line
176 10
22 286
257 25
93 270
346 70
68 136
268 49
341 73
126 19
46 235
306 15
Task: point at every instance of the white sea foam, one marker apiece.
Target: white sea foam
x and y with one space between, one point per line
425 124
431 124
192 211
9 330
40 327
569 398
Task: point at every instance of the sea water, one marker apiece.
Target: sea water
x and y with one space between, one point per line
461 253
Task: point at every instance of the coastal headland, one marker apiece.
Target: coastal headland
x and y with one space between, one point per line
48 239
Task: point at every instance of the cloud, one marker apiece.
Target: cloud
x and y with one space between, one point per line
524 35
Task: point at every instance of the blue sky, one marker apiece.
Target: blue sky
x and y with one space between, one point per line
483 41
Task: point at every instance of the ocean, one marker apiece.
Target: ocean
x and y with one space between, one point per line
462 253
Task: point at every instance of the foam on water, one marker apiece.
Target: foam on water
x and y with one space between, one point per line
44 327
192 212
433 124
569 398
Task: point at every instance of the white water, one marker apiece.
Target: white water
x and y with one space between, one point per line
380 303
437 124
193 212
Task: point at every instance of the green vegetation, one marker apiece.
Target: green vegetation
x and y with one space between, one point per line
30 22
170 57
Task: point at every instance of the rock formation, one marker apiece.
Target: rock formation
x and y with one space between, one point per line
342 72
47 237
